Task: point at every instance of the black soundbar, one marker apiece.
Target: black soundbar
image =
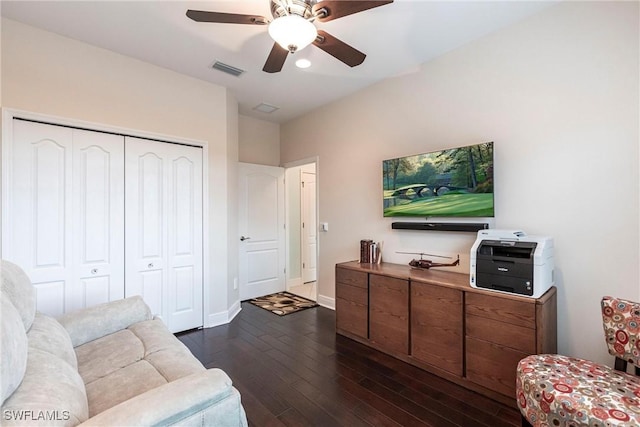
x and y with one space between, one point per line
440 226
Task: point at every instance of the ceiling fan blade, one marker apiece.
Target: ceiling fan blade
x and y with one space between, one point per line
226 18
339 49
276 59
335 9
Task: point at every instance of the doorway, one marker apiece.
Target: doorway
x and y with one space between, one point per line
302 228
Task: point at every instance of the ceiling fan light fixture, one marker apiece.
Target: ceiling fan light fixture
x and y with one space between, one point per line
292 32
303 63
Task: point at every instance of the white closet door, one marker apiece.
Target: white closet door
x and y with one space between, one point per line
98 217
40 207
66 214
163 237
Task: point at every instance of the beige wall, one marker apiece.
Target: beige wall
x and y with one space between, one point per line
259 141
49 74
558 93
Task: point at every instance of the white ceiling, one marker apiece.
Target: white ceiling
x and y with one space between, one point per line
397 38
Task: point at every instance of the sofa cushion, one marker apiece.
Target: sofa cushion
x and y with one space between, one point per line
165 352
48 335
18 288
124 364
122 385
51 393
101 357
13 348
200 399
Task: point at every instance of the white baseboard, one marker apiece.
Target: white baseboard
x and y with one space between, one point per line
326 302
234 310
222 317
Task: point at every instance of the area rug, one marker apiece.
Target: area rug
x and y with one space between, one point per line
283 303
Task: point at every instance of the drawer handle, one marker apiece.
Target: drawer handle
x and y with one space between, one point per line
150 265
94 271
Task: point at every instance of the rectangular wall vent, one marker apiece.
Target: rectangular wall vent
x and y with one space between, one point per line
226 68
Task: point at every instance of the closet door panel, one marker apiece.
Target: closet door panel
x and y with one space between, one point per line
163 211
40 204
145 219
94 290
150 284
98 193
50 200
51 297
151 199
185 238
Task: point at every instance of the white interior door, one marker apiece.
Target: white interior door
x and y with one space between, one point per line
163 237
98 218
309 226
65 227
39 225
261 225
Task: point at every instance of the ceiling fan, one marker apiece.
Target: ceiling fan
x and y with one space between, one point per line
293 28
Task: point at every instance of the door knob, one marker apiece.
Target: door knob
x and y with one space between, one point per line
94 271
150 265
242 238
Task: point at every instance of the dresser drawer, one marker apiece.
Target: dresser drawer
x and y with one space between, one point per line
513 336
352 293
492 366
352 318
513 312
351 277
436 327
389 314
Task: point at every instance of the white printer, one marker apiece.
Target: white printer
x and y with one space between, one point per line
510 261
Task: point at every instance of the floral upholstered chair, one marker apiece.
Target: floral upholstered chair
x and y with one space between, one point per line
556 390
621 320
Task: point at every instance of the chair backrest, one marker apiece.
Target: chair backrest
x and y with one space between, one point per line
621 322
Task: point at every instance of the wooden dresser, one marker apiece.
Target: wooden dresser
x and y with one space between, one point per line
435 320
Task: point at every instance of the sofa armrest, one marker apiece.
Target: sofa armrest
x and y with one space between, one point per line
176 402
103 319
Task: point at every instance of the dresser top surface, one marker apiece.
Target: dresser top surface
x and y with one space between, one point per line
436 277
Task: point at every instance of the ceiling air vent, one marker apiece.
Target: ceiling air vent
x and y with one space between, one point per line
266 108
226 68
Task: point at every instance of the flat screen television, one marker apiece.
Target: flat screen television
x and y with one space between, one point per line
457 182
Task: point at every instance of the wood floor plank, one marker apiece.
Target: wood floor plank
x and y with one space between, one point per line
373 416
295 371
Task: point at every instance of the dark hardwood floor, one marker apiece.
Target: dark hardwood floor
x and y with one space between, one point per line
294 371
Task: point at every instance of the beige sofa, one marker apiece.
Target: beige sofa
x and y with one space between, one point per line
111 364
